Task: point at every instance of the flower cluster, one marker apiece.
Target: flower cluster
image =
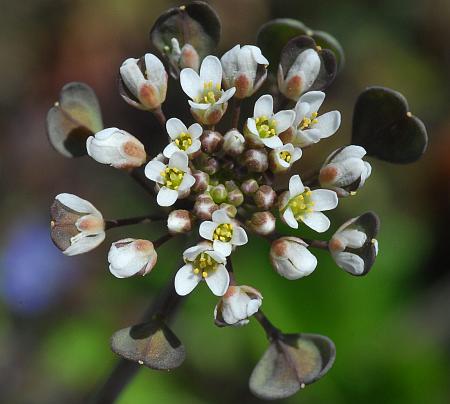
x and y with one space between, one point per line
220 182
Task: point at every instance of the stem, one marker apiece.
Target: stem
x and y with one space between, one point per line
236 112
159 115
272 332
316 243
159 242
110 224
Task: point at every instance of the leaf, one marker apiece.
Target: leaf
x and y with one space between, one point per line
275 34
383 125
151 344
291 362
195 23
73 119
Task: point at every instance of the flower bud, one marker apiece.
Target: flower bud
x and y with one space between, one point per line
201 181
211 141
300 76
265 197
233 143
117 148
210 116
291 259
256 160
249 187
235 197
76 226
209 165
179 221
262 223
344 171
130 257
204 207
229 209
189 57
237 305
245 69
143 82
219 193
354 246
282 159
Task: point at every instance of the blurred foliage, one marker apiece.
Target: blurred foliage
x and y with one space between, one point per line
387 351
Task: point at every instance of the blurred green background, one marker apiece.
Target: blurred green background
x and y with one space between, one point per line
57 313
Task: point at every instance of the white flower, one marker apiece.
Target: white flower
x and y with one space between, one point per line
300 76
299 204
291 258
77 226
183 139
265 126
209 101
237 305
282 158
129 257
146 87
175 178
244 68
117 148
202 262
309 128
344 170
352 248
223 232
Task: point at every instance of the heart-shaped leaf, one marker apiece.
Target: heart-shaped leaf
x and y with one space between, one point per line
195 23
275 34
291 362
73 119
151 344
384 126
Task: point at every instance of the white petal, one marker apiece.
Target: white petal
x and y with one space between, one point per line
353 238
307 66
301 110
194 147
197 105
191 83
211 70
272 142
222 247
230 64
220 216
166 196
132 75
218 280
156 73
217 256
175 127
191 253
195 130
206 229
186 280
77 204
349 262
348 152
289 218
170 149
85 244
307 137
314 99
154 169
284 120
251 126
187 182
239 236
179 160
257 54
295 186
328 123
317 221
226 95
263 106
324 199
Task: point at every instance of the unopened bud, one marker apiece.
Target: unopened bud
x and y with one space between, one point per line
209 165
265 197
210 116
130 257
256 160
230 209
189 57
219 193
204 207
179 221
201 181
291 258
211 141
235 197
117 148
233 143
262 223
249 187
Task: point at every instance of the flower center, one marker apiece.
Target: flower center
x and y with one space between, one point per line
266 127
301 204
223 232
286 156
184 141
204 264
307 123
210 93
172 177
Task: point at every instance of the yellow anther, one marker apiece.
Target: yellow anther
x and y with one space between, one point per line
353 193
204 274
196 271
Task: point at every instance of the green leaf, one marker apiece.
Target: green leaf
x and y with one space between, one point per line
73 119
196 24
275 34
383 125
151 344
291 362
